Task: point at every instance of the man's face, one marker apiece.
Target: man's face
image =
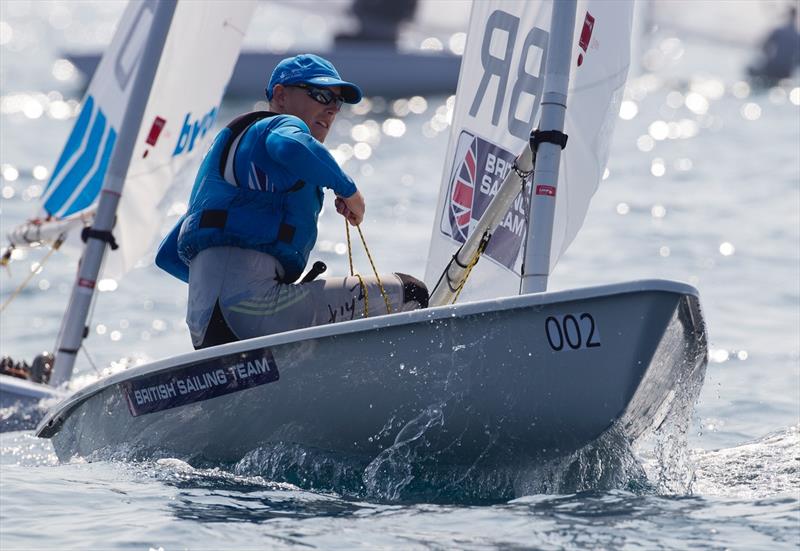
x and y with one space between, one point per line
295 101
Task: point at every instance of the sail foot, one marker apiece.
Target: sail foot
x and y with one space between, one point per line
37 232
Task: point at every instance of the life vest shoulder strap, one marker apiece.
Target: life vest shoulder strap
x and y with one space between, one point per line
238 127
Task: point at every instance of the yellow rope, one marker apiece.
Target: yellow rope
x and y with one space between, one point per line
349 248
374 270
352 272
56 244
472 262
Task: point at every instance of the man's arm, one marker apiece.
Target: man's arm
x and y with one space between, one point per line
290 145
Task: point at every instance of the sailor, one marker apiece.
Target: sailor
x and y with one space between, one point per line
252 219
780 52
378 22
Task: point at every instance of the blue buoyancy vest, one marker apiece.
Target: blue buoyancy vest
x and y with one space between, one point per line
224 213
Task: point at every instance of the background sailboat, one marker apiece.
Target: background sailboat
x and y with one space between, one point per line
167 135
424 59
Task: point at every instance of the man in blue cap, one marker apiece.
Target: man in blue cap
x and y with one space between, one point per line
252 219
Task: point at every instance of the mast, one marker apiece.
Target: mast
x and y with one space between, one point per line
536 263
74 322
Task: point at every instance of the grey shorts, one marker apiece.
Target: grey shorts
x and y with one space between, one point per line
254 302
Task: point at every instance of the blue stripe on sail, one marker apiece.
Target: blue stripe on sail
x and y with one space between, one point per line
80 169
74 140
92 189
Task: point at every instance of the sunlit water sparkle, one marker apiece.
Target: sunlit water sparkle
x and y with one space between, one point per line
703 185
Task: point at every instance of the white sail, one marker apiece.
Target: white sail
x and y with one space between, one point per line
498 104
197 62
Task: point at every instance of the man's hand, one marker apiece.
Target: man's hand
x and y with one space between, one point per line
351 208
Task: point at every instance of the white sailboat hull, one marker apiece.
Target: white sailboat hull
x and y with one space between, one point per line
488 379
20 392
378 70
23 403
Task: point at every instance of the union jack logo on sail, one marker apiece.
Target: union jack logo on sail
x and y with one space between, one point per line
462 194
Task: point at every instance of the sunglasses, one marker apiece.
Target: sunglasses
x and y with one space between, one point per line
321 95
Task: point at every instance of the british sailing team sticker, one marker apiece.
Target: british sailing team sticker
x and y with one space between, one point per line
200 381
478 170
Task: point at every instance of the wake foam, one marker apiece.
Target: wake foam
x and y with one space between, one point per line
21 416
758 469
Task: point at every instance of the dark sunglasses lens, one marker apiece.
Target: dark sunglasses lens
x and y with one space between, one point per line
325 97
322 96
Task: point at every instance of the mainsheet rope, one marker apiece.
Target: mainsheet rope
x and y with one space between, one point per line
374 270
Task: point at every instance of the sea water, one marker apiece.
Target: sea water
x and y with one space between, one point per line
703 186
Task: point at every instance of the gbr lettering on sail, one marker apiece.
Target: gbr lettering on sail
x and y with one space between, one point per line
499 95
526 84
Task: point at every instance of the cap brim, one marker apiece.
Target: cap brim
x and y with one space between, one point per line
350 92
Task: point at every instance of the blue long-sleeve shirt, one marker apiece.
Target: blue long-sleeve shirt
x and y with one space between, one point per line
278 151
277 164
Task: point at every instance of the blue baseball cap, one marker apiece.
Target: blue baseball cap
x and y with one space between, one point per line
314 70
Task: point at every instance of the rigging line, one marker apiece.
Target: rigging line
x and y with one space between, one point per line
56 244
91 361
227 23
349 247
155 167
384 294
472 262
352 272
366 294
375 271
526 208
